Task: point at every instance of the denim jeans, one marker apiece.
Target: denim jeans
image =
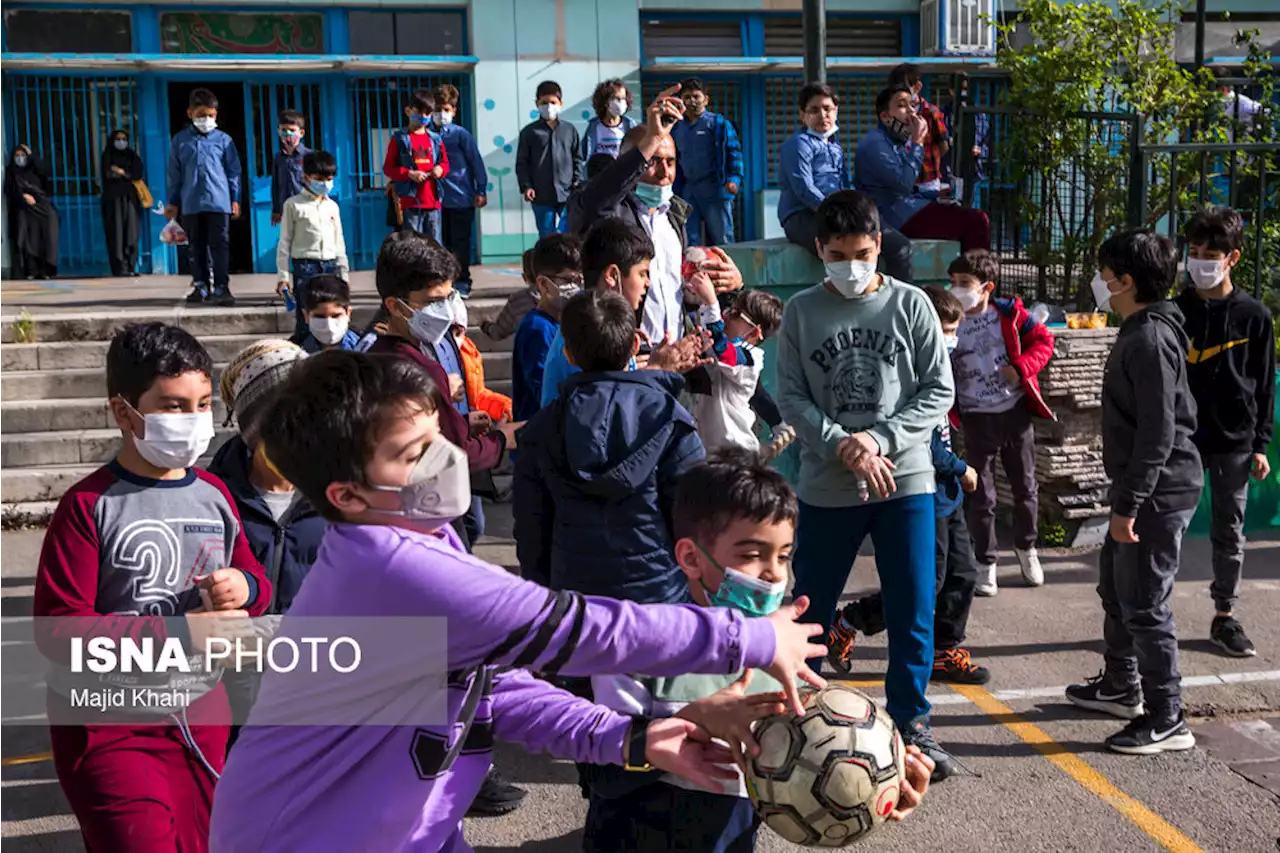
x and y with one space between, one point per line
551 219
423 221
710 207
305 269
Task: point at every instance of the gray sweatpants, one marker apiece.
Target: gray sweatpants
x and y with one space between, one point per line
1135 583
1229 490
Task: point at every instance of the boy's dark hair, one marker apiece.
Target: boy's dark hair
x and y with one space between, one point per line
603 94
202 98
906 75
1220 229
555 253
327 418
445 95
422 101
612 241
292 117
326 288
845 213
732 484
762 307
322 164
141 353
549 87
692 84
885 98
978 263
1149 258
409 261
815 90
597 163
944 302
526 266
599 329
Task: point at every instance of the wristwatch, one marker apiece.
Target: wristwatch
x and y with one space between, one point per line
633 753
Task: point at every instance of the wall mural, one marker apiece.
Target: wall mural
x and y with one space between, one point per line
237 32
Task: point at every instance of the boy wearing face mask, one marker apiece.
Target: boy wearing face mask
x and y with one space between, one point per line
203 183
711 166
311 241
327 309
464 189
549 161
863 377
1231 368
1000 352
604 132
287 174
144 781
416 162
556 267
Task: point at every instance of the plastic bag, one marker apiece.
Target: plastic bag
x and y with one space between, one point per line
172 233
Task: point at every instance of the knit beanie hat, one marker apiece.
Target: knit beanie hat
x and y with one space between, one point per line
247 383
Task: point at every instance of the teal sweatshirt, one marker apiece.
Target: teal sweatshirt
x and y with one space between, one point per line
874 363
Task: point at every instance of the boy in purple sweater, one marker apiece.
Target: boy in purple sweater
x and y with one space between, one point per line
358 435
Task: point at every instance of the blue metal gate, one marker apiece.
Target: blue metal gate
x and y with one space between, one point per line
68 121
377 107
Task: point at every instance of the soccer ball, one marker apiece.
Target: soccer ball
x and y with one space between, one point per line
830 777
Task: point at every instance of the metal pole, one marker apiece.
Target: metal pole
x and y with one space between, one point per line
1200 34
815 40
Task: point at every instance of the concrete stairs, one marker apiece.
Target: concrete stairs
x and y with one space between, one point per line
55 425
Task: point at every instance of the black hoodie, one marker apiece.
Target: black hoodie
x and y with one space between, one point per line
1231 365
1148 416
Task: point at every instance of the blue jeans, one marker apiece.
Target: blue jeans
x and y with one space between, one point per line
710 207
305 269
423 221
551 219
903 532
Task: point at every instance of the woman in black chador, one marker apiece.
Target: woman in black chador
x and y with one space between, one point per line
33 221
121 209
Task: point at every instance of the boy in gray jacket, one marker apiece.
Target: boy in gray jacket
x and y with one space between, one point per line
1148 418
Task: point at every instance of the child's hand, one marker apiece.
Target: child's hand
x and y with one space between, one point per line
731 188
437 172
282 288
877 471
530 194
1260 467
701 288
456 387
859 444
793 648
170 211
481 200
685 749
235 210
1122 529
227 588
275 219
916 785
509 429
1010 374
416 176
969 480
682 355
728 714
480 422
783 436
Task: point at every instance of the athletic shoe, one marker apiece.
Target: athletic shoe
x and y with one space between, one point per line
1029 561
197 296
463 291
986 586
223 299
1228 634
920 735
1096 694
1145 736
840 643
497 797
956 666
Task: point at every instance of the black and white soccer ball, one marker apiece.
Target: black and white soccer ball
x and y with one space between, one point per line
830 777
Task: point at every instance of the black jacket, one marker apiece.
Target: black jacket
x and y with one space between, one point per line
612 194
548 161
1231 365
1148 415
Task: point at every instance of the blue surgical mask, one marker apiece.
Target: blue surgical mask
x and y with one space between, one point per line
654 196
740 591
321 187
423 119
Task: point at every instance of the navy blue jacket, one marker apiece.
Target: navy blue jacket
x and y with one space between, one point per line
285 549
286 177
948 469
594 484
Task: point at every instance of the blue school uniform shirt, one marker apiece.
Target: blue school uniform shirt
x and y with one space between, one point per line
535 339
467 176
708 150
886 169
810 168
203 174
286 177
451 360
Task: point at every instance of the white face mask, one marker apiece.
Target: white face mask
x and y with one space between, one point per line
173 440
967 297
443 119
549 111
950 342
204 124
431 323
821 134
1206 274
439 487
120 144
617 107
329 330
1101 293
458 309
851 278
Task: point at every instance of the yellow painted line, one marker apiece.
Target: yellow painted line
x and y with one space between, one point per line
34 758
1164 833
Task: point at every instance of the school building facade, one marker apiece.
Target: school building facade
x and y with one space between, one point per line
72 72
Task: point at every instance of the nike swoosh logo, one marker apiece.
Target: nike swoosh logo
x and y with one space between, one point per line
1155 735
1103 697
1195 356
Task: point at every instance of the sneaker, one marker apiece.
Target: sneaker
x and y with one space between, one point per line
840 643
1228 634
1096 694
955 666
1144 736
920 735
986 585
464 290
1029 562
497 797
197 296
223 299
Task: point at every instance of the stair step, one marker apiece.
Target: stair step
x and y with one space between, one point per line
69 447
19 416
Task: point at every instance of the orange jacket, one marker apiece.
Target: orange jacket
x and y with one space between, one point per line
497 405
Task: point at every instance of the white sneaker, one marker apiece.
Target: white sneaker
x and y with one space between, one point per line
986 586
1029 561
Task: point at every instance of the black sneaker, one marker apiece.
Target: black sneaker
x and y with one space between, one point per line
957 667
1097 694
223 299
1228 634
1143 736
920 735
197 296
497 797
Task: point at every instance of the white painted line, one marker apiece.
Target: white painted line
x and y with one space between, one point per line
1260 732
1245 677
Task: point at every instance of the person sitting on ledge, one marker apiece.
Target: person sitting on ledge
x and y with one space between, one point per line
886 164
